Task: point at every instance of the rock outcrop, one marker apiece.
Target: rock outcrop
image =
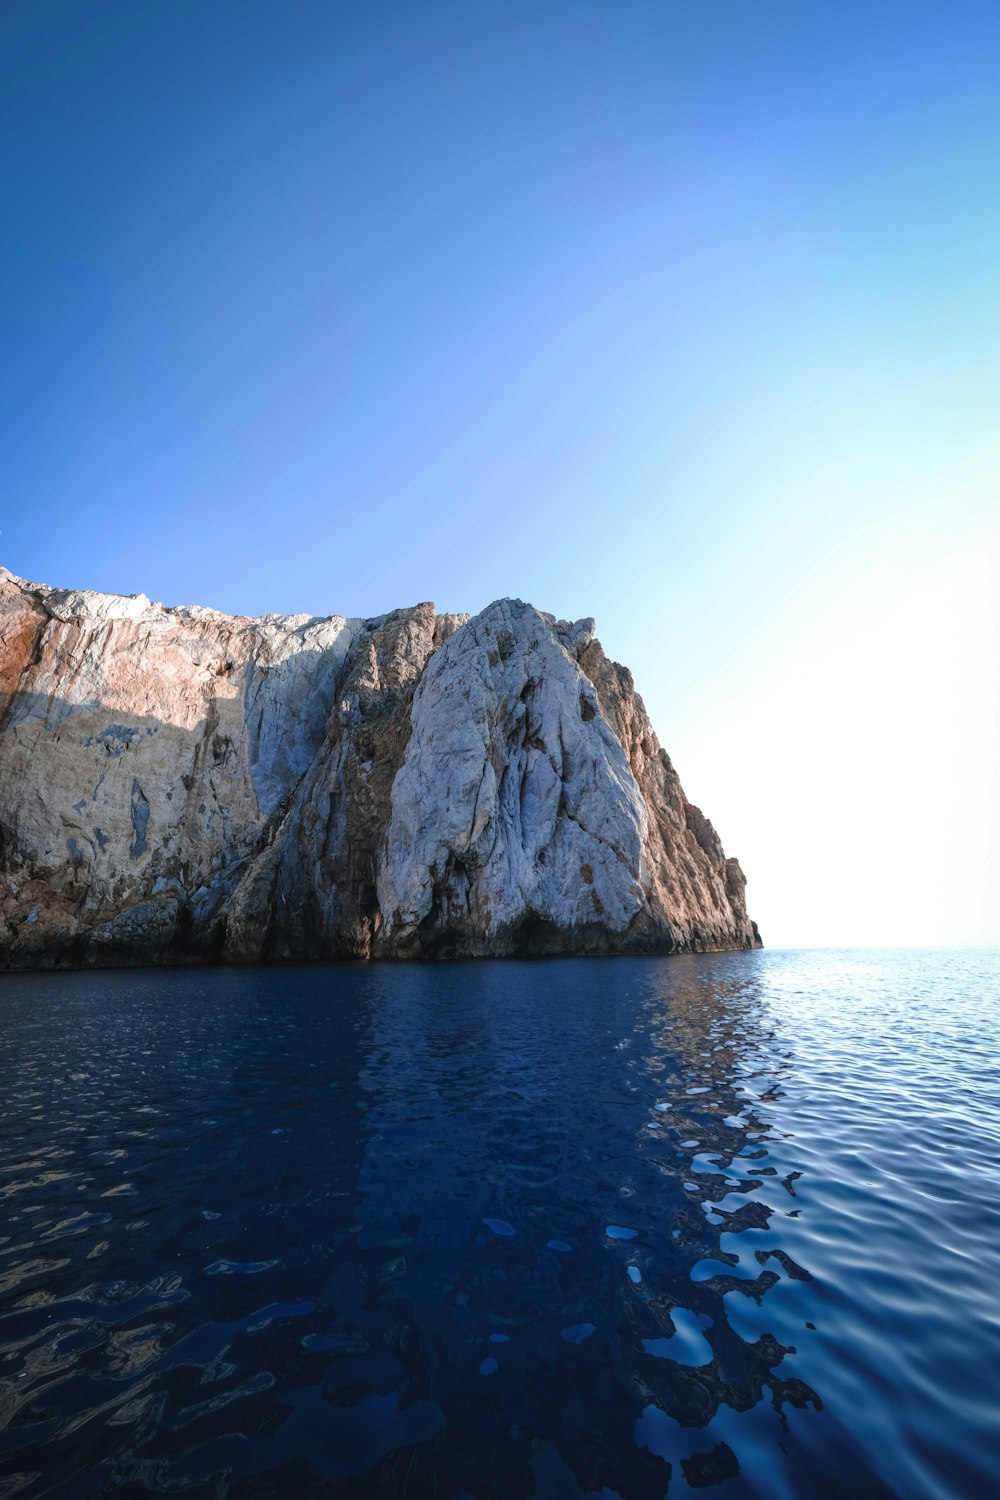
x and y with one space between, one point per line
179 784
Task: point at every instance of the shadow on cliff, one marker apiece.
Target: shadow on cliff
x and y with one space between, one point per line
123 835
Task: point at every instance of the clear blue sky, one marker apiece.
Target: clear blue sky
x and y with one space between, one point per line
682 315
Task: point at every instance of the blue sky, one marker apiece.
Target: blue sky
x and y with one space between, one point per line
681 315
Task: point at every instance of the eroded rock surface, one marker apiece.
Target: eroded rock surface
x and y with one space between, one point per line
180 784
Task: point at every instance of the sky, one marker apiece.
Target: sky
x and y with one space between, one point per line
681 315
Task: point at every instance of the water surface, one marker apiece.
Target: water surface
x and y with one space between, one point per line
609 1227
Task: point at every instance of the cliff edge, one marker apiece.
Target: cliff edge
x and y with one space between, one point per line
179 784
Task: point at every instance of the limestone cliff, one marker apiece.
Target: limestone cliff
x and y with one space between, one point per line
180 784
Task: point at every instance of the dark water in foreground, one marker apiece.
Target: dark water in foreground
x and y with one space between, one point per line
497 1230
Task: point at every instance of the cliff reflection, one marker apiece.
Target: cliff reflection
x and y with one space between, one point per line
622 1147
487 1230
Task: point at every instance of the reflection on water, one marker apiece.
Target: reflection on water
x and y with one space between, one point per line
556 1229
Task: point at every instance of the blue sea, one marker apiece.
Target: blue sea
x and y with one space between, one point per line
626 1227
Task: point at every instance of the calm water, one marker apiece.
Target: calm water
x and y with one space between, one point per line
727 1223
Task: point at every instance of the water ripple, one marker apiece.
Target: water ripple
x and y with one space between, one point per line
613 1227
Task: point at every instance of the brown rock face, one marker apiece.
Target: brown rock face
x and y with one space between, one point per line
178 784
693 887
312 892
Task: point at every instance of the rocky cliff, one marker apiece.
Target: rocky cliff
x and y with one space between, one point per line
180 784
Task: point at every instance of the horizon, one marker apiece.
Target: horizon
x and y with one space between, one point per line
685 322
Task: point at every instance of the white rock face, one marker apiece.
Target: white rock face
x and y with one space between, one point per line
179 783
291 676
514 799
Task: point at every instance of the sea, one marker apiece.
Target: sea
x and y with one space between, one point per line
725 1223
